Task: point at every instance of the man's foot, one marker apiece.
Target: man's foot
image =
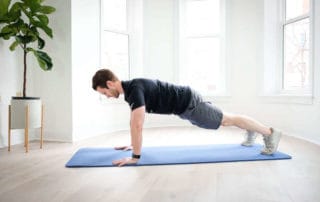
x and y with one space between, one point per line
271 142
250 137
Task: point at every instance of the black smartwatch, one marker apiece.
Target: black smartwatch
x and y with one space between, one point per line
135 156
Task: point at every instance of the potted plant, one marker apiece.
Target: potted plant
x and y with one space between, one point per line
24 21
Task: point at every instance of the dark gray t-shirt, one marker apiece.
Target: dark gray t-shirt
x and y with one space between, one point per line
157 96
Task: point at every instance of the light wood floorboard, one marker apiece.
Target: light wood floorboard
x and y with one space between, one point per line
41 176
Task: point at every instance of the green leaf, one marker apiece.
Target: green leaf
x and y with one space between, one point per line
30 49
27 13
18 26
5 36
41 43
24 30
34 30
4 5
44 60
46 9
43 19
15 11
24 39
44 27
34 5
13 45
7 32
6 29
4 19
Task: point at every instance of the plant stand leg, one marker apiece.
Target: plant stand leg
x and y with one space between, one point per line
26 130
41 130
9 128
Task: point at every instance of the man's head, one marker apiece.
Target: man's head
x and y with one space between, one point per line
104 81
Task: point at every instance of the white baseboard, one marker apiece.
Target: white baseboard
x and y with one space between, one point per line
303 138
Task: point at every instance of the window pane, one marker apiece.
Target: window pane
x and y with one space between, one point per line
295 8
202 64
115 15
296 55
114 53
202 17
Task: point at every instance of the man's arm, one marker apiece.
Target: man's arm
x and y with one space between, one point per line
136 125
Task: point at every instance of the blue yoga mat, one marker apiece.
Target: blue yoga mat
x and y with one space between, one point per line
95 157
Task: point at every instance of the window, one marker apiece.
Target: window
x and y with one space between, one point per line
288 43
115 37
296 46
201 63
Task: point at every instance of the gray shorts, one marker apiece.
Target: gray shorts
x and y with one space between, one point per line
202 114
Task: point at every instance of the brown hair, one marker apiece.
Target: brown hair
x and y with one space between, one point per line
101 77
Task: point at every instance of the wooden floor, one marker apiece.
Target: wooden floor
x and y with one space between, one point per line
40 175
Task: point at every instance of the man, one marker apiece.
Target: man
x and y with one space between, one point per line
153 96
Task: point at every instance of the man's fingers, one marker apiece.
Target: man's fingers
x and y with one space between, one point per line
119 148
125 148
119 162
126 161
116 162
128 148
122 163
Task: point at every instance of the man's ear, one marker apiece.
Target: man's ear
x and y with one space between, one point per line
109 84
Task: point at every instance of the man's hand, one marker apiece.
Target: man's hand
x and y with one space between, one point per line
125 161
124 148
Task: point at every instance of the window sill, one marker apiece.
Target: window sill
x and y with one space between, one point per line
287 99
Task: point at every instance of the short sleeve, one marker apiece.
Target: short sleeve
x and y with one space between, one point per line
136 98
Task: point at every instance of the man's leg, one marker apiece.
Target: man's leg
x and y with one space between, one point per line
271 137
246 123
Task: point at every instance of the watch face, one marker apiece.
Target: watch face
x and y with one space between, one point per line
135 156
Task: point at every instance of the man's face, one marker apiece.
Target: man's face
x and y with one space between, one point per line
111 92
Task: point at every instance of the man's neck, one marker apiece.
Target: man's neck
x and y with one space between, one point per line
119 87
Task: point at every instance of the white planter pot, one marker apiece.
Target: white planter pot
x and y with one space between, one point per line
18 112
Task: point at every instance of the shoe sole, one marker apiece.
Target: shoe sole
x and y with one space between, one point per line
247 145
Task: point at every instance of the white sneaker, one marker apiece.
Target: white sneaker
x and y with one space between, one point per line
271 142
250 137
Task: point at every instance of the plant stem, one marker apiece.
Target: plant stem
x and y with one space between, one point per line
24 69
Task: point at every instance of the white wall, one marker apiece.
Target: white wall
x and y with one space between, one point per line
246 56
158 41
245 62
90 115
54 87
11 74
74 110
159 33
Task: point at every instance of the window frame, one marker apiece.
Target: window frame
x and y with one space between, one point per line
284 22
134 27
181 38
126 32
